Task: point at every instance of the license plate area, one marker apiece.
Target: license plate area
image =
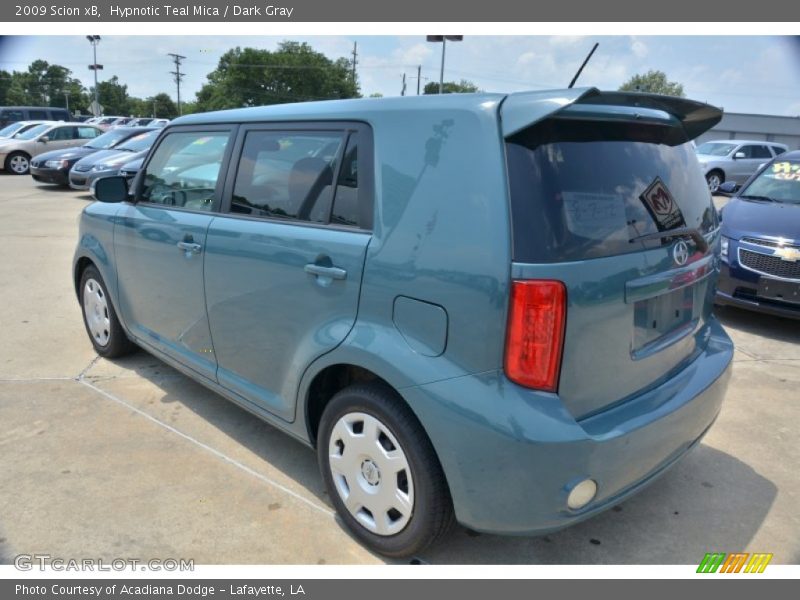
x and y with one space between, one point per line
777 290
661 320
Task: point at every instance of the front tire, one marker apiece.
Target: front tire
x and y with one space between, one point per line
100 318
381 471
714 180
18 163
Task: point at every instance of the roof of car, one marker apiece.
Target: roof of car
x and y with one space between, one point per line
794 155
738 141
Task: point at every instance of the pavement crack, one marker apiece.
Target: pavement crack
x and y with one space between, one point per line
91 364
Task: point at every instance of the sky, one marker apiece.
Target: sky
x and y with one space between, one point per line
738 73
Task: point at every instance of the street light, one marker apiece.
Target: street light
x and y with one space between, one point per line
94 40
443 39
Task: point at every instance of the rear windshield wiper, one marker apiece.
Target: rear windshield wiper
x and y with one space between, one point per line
764 198
697 237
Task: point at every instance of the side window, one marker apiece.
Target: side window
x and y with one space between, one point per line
12 116
287 175
37 115
347 209
761 152
184 170
778 150
87 133
59 134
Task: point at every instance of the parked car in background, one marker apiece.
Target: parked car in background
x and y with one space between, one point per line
13 129
107 122
159 122
107 163
488 307
16 152
734 160
12 114
130 169
761 241
54 167
140 122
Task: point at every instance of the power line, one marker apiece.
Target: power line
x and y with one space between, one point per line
178 76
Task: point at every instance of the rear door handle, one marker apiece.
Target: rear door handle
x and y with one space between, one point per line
190 247
329 272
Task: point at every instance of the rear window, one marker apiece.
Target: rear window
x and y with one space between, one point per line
576 194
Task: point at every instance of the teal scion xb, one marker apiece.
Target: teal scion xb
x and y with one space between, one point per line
485 308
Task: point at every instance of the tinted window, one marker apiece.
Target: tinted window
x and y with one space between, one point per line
347 209
36 115
780 181
778 150
184 170
755 151
578 199
62 133
287 175
12 115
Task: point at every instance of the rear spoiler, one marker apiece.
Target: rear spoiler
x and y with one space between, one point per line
687 119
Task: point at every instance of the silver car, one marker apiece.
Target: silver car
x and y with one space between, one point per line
16 152
734 160
9 131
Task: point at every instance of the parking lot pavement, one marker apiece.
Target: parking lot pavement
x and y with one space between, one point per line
132 459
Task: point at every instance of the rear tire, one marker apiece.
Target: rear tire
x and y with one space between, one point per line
100 318
381 471
18 163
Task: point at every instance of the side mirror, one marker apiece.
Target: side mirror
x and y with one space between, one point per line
739 155
111 189
728 188
44 139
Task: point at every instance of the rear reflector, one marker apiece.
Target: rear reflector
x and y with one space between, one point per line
535 334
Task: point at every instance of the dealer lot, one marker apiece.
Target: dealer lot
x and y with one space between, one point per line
130 459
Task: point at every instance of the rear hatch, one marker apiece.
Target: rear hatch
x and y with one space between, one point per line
607 196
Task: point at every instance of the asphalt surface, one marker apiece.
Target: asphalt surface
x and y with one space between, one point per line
130 459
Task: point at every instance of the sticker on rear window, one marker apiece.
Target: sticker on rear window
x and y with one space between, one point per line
662 207
595 216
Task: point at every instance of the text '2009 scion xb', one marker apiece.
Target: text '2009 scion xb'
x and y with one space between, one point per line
488 308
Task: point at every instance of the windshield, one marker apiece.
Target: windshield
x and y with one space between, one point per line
779 182
109 139
32 132
11 129
715 149
139 142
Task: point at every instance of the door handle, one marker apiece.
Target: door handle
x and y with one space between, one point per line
326 272
190 247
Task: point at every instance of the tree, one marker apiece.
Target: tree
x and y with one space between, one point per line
114 97
5 84
42 84
294 72
653 82
451 87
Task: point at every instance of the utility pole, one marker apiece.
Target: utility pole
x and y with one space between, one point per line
403 90
419 77
443 39
178 76
155 113
66 99
94 40
355 60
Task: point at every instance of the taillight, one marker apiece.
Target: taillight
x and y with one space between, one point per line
535 334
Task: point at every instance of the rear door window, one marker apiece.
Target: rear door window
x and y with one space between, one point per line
287 175
575 195
37 115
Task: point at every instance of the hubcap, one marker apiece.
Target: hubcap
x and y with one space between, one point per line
95 311
713 182
371 473
19 164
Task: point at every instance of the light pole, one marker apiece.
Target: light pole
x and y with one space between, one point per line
443 39
94 40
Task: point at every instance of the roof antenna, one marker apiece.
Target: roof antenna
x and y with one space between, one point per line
578 74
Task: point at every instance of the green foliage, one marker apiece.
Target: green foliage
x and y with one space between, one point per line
451 87
294 72
653 82
42 84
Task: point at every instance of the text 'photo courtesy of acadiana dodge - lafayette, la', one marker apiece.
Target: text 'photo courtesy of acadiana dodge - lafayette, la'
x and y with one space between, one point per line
154 589
200 10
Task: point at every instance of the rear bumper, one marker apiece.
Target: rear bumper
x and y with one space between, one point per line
738 287
511 455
